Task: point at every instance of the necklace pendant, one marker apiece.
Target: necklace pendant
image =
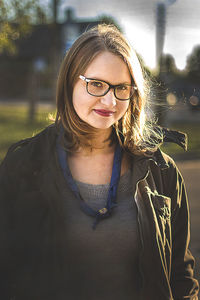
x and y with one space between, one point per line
103 211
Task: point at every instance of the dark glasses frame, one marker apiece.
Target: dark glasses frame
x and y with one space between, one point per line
110 86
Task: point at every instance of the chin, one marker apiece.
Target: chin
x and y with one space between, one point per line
102 127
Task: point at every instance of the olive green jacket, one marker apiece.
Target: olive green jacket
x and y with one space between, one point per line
33 244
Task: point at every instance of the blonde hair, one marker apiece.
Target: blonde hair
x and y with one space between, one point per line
133 130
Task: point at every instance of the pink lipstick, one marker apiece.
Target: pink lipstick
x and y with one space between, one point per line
103 112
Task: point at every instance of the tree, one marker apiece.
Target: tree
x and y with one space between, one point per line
193 65
167 64
16 20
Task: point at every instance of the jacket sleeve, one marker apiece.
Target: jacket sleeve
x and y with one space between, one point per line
183 284
7 191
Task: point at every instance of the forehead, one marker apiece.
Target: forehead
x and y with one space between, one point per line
109 67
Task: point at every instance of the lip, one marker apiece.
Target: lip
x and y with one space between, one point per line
103 112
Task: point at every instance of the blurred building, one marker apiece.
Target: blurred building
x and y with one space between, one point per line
32 69
179 86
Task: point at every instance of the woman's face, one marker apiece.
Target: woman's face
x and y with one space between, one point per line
102 112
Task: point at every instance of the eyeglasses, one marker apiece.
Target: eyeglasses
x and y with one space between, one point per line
100 88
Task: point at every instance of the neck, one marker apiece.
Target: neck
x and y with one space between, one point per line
100 144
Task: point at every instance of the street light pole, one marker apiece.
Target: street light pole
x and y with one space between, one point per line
161 16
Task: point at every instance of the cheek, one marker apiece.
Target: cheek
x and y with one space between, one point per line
123 107
75 99
78 97
82 102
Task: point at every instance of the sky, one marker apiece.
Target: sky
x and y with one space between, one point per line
137 19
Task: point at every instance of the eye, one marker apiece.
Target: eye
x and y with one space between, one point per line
123 87
97 84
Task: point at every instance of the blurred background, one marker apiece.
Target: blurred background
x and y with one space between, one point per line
34 36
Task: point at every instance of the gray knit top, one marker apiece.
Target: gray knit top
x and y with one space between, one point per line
103 263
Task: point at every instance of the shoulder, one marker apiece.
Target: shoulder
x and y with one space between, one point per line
165 164
165 161
31 151
171 168
169 178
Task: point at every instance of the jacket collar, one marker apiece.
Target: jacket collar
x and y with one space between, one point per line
176 137
169 136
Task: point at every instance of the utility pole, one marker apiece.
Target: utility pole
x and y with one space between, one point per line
55 45
161 16
160 32
55 11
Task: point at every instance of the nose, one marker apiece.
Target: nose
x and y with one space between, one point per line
109 99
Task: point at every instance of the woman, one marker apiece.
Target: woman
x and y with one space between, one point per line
90 207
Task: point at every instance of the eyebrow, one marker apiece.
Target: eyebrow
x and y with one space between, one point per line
98 79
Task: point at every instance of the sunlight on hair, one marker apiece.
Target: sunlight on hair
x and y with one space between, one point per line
142 122
51 117
137 73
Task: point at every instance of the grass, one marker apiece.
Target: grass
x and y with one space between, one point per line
14 126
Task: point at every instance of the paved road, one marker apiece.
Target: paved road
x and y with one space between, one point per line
180 113
191 173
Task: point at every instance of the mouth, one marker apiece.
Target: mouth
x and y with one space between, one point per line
103 112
